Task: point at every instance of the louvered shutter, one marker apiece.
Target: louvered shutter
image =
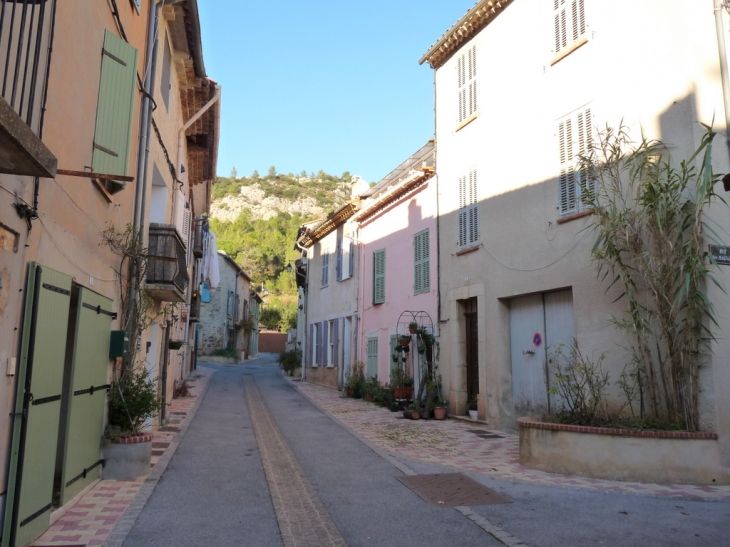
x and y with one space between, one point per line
468 217
310 351
422 281
379 276
325 268
114 107
346 271
571 148
466 68
372 358
325 342
336 344
338 266
570 22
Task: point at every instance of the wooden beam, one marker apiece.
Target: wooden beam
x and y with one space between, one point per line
90 175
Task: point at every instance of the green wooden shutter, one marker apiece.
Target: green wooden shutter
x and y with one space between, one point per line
379 276
422 273
371 370
115 107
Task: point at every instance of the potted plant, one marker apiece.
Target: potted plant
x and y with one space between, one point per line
394 356
439 411
402 384
421 349
356 380
415 414
413 327
473 406
132 400
404 340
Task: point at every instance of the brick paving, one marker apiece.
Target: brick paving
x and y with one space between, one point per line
90 520
454 444
303 519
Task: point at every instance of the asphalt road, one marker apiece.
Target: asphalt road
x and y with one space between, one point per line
215 491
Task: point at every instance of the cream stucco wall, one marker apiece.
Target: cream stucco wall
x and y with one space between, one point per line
651 65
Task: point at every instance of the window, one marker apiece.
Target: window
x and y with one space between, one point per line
468 211
331 345
325 269
466 67
165 79
314 345
371 367
114 109
344 258
422 275
570 23
379 276
574 136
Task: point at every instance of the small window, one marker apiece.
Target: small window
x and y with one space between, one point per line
325 269
379 276
422 266
466 68
570 23
468 211
574 137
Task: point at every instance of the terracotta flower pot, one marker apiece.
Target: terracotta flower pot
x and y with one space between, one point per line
415 415
439 413
402 392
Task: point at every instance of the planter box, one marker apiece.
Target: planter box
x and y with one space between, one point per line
678 457
127 458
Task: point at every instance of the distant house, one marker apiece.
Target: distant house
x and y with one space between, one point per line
327 280
226 321
396 228
521 88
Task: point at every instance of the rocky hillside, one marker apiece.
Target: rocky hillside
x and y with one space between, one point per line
310 196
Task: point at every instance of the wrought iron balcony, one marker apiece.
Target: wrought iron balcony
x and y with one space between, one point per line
198 240
167 273
26 33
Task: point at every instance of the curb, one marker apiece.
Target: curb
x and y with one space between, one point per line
125 523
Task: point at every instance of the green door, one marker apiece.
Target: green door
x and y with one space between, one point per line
37 406
87 394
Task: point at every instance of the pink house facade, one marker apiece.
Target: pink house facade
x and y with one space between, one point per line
397 239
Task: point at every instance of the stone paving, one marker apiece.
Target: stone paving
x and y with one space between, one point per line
302 517
90 520
455 444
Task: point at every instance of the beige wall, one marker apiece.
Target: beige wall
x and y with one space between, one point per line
72 211
632 70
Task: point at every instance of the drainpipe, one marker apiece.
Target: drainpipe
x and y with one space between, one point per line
724 72
146 122
184 128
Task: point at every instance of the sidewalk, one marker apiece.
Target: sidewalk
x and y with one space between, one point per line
456 444
89 521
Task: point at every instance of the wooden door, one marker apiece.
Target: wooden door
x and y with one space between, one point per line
527 345
472 355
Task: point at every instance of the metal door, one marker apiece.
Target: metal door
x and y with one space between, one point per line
559 329
527 341
37 406
87 394
539 323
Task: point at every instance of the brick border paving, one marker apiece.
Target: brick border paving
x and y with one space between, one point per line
106 513
302 517
453 444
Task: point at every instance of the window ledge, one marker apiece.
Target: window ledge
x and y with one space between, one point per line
466 122
575 216
563 54
467 250
330 366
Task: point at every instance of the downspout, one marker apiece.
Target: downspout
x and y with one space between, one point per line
163 376
438 209
184 128
146 122
724 73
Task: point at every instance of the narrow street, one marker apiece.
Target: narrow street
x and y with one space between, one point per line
261 465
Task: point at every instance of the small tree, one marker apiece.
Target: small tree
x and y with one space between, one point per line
649 221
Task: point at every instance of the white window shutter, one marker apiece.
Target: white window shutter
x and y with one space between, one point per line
571 148
570 22
346 273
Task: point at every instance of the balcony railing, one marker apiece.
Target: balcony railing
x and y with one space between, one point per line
26 36
167 274
195 309
198 240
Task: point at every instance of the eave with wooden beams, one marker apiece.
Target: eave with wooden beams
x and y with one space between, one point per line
311 236
464 30
412 180
196 90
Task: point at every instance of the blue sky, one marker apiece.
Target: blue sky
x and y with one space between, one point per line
323 84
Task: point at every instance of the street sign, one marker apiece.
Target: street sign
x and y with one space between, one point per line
720 254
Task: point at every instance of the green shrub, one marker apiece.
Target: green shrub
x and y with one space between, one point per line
290 360
132 399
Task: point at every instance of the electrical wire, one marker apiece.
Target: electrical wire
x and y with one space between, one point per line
71 260
78 206
534 269
15 194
